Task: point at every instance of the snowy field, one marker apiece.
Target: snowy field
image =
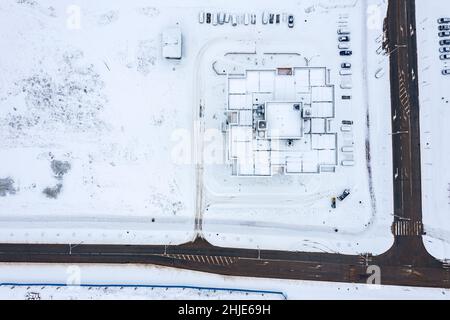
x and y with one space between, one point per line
434 114
100 132
151 275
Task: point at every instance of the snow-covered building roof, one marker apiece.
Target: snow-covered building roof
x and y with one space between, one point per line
281 122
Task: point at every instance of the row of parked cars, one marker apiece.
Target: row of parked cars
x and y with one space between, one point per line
444 50
219 18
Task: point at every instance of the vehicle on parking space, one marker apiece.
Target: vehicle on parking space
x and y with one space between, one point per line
208 17
343 31
227 17
345 72
345 53
444 27
290 21
445 56
445 42
277 18
444 34
443 20
271 17
234 20
344 39
215 19
253 18
446 72
444 49
343 46
347 122
265 17
346 65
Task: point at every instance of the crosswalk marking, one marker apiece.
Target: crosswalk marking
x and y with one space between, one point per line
213 260
406 228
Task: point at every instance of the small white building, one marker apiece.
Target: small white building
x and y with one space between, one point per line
171 42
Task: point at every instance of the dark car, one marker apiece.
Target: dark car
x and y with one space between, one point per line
346 65
271 17
291 21
443 20
444 27
444 34
347 52
344 39
445 42
333 202
208 17
344 195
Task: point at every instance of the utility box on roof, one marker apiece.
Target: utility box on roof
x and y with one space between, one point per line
171 43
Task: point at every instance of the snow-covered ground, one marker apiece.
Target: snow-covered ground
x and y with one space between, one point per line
99 131
434 114
294 212
151 275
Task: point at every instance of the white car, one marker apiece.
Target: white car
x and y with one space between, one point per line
446 72
445 56
265 17
444 34
444 49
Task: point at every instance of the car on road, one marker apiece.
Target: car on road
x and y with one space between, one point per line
444 34
446 72
443 20
444 27
333 202
445 56
345 53
290 21
445 42
346 65
444 49
344 39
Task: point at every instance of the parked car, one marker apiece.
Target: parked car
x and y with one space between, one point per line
346 65
333 202
445 42
271 17
444 34
345 72
445 56
444 49
265 17
201 17
277 18
444 27
234 20
291 21
443 20
208 17
345 53
343 46
446 72
344 195
343 31
344 39
346 97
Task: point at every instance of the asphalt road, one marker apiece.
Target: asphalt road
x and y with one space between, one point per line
406 263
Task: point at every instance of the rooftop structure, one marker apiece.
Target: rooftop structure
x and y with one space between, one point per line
281 121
